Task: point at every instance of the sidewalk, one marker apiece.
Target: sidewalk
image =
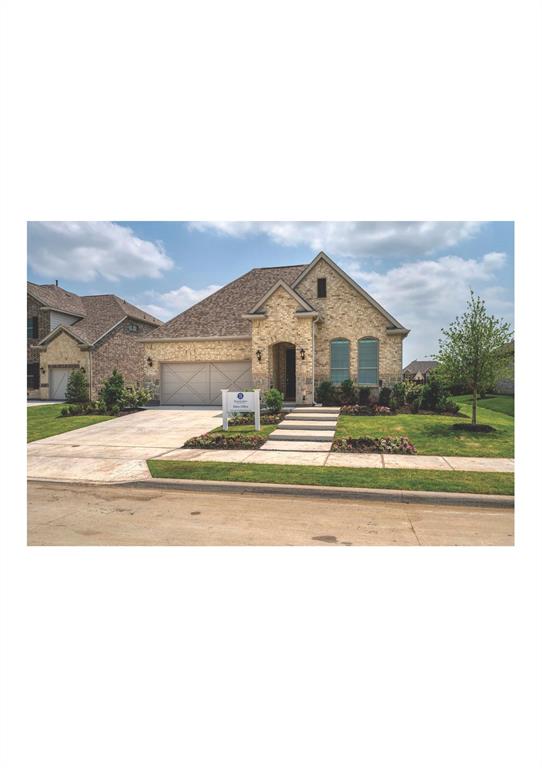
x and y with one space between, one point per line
356 460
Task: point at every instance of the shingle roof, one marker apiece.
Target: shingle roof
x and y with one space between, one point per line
104 312
57 298
420 365
221 313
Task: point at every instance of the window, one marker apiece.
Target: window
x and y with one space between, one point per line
340 360
368 362
32 327
32 375
133 328
321 288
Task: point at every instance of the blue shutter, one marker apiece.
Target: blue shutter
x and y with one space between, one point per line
368 362
340 360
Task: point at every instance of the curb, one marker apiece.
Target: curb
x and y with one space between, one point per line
328 492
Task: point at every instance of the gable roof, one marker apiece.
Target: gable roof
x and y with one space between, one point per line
420 365
306 307
57 298
221 313
395 324
102 314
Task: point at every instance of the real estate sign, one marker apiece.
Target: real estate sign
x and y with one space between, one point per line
240 402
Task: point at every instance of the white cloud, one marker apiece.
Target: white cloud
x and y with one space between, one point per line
354 239
85 250
426 295
167 305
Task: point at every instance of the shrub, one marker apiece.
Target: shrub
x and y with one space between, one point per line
381 410
373 445
384 396
77 388
235 441
450 406
363 395
273 400
347 393
356 410
242 419
65 411
135 397
398 394
433 395
327 394
412 392
112 391
114 410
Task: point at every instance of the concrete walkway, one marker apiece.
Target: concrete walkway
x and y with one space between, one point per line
356 460
304 430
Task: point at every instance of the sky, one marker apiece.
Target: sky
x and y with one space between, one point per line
421 272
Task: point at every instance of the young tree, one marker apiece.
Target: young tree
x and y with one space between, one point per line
112 391
472 352
77 387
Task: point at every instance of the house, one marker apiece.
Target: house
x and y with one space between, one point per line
505 385
418 370
67 331
285 327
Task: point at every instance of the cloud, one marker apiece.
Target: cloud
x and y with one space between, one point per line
354 239
167 305
86 250
426 295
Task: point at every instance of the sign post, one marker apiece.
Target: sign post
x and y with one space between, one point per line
241 402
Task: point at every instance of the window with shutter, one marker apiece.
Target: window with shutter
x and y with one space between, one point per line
368 362
340 360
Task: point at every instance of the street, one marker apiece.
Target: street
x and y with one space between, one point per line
71 514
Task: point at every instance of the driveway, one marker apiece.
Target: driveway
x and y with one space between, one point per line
117 450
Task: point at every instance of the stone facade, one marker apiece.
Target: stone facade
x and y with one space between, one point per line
345 314
63 351
206 350
123 350
280 324
33 309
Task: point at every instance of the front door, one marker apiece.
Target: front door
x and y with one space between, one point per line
290 374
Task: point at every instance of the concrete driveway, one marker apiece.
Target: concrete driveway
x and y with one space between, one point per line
117 450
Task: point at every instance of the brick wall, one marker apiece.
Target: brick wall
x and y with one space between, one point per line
346 314
33 309
120 349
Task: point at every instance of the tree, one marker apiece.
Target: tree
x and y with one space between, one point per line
112 391
77 387
472 352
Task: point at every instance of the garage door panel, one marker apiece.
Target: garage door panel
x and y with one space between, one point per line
58 381
200 383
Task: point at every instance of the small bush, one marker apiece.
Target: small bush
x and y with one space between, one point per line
373 445
433 395
65 411
381 410
235 441
356 410
242 419
273 400
77 388
347 393
398 395
112 391
114 410
327 393
450 406
412 392
135 397
384 396
364 394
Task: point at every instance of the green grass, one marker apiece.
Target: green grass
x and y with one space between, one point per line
397 479
499 403
435 436
45 420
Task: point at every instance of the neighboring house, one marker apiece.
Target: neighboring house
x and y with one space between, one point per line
285 327
505 385
418 370
96 333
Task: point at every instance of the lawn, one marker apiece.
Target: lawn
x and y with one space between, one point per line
499 403
45 420
401 479
435 436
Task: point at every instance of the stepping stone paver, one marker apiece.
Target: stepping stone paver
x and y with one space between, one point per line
298 445
302 434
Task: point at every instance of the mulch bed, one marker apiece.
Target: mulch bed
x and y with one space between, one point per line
373 445
474 427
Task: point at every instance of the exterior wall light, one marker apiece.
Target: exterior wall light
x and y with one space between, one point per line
42 369
149 362
258 355
302 353
82 369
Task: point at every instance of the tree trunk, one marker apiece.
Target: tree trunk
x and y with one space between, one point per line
474 397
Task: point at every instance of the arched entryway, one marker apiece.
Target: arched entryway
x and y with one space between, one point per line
283 369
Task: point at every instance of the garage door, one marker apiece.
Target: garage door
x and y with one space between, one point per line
58 380
200 383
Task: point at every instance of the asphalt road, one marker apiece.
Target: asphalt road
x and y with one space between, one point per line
70 514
